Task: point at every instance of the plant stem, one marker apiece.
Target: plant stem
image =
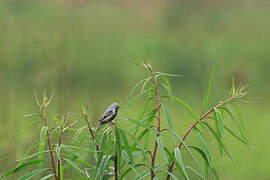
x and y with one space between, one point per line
44 117
115 165
59 160
90 129
157 99
192 126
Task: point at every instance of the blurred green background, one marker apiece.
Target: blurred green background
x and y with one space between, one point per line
87 49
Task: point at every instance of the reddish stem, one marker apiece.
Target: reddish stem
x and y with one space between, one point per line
192 126
157 99
44 112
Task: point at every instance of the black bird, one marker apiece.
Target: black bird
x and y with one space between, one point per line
109 114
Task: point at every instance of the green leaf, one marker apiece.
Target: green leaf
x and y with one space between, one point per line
236 121
103 166
237 137
161 148
232 92
138 142
47 177
237 111
206 159
30 124
132 101
73 165
77 148
148 120
23 167
195 172
205 148
33 173
142 135
137 85
143 174
166 110
43 134
172 175
33 155
170 75
127 146
145 107
74 153
219 141
205 101
187 149
220 125
77 133
125 173
145 83
168 85
43 137
188 108
103 147
34 145
179 163
139 123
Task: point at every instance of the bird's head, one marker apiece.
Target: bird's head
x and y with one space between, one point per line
115 105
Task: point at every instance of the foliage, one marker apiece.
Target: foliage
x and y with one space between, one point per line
114 151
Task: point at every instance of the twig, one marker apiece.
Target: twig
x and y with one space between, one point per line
192 126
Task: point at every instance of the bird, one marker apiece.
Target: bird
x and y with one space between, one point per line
109 114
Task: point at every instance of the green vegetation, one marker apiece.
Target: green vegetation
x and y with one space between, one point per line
64 151
88 50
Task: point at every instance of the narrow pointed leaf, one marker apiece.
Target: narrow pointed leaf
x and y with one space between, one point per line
132 101
187 149
188 108
206 159
47 177
30 124
161 148
195 172
33 173
170 75
168 85
179 163
219 141
23 167
236 121
205 148
237 137
205 101
127 146
74 165
218 116
33 155
233 87
166 110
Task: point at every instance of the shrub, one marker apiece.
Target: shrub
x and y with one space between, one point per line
66 151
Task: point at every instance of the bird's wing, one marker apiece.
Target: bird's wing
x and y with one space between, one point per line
106 114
